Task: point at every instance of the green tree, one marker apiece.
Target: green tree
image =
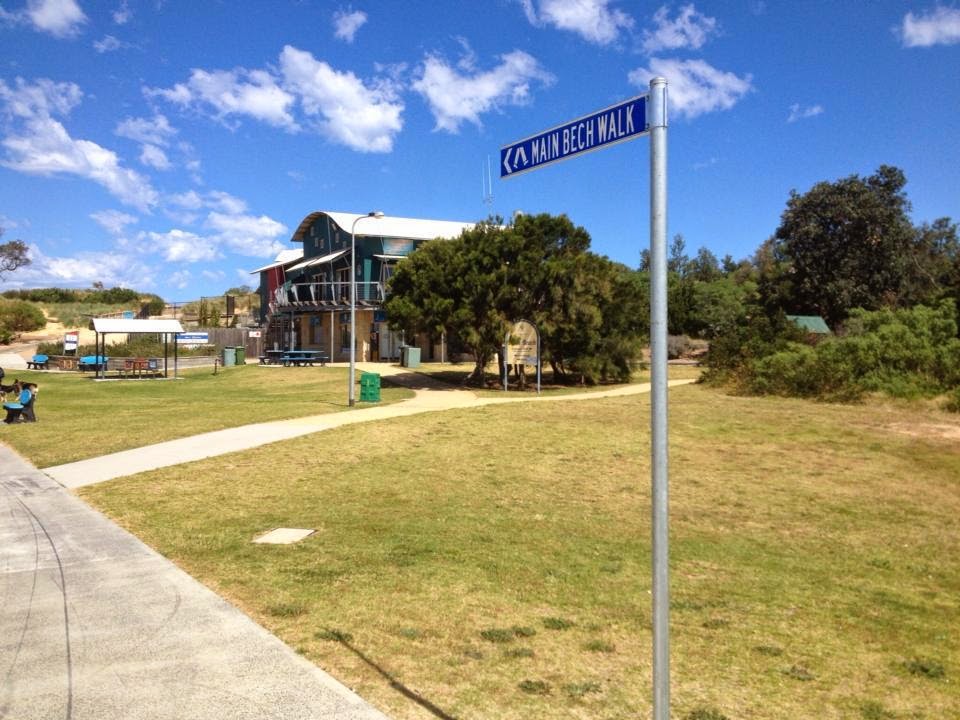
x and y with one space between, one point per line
13 255
538 268
842 245
932 269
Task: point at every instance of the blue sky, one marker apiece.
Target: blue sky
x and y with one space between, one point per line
173 146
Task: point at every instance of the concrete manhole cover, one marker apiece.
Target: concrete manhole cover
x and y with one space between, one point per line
284 536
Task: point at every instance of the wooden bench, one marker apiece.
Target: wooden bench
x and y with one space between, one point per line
39 362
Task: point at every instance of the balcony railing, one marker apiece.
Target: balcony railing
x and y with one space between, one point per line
327 294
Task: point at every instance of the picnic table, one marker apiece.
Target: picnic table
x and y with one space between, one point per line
38 362
302 357
92 362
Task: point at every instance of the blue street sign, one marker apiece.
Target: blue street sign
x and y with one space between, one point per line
617 123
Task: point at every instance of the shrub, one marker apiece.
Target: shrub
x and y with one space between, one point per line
21 316
903 353
952 403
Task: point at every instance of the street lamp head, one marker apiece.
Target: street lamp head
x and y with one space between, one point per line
375 214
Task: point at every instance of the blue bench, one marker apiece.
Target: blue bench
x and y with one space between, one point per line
39 362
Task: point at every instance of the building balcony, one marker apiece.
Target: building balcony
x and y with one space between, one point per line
326 296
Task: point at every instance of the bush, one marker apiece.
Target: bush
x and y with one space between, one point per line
21 316
903 353
952 403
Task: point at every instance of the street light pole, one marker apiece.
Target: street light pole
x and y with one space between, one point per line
351 394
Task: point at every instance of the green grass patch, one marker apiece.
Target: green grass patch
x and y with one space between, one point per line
925 667
534 687
557 623
509 514
82 418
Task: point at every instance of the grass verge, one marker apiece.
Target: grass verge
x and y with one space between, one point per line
494 563
81 418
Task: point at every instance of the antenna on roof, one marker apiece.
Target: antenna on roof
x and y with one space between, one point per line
486 182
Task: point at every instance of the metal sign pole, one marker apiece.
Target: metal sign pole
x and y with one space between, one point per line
658 416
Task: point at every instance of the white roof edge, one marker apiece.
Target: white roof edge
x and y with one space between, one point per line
124 325
284 257
400 227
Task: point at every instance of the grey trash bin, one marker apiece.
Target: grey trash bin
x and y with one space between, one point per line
229 356
413 357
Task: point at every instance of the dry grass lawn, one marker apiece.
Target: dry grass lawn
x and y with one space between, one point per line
494 563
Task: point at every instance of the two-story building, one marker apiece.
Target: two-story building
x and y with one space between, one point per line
305 292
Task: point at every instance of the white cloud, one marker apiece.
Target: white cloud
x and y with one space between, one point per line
364 118
225 202
112 268
108 44
190 200
179 279
248 234
154 157
60 18
180 246
42 146
43 97
694 86
455 96
801 113
594 20
113 221
940 26
346 24
236 92
690 29
149 131
122 15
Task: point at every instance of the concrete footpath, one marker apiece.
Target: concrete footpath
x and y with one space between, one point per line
430 396
95 625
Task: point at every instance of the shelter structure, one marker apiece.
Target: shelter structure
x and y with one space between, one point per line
305 293
811 324
166 328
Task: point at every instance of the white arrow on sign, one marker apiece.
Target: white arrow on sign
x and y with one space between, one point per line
506 161
521 153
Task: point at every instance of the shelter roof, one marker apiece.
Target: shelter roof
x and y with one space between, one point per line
387 226
123 325
811 323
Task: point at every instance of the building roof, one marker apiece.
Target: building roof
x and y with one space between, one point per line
387 226
318 260
811 323
284 257
123 325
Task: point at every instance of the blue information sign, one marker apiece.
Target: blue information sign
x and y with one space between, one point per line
617 123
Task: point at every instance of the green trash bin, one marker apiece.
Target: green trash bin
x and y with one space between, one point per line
412 357
369 387
229 356
241 355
